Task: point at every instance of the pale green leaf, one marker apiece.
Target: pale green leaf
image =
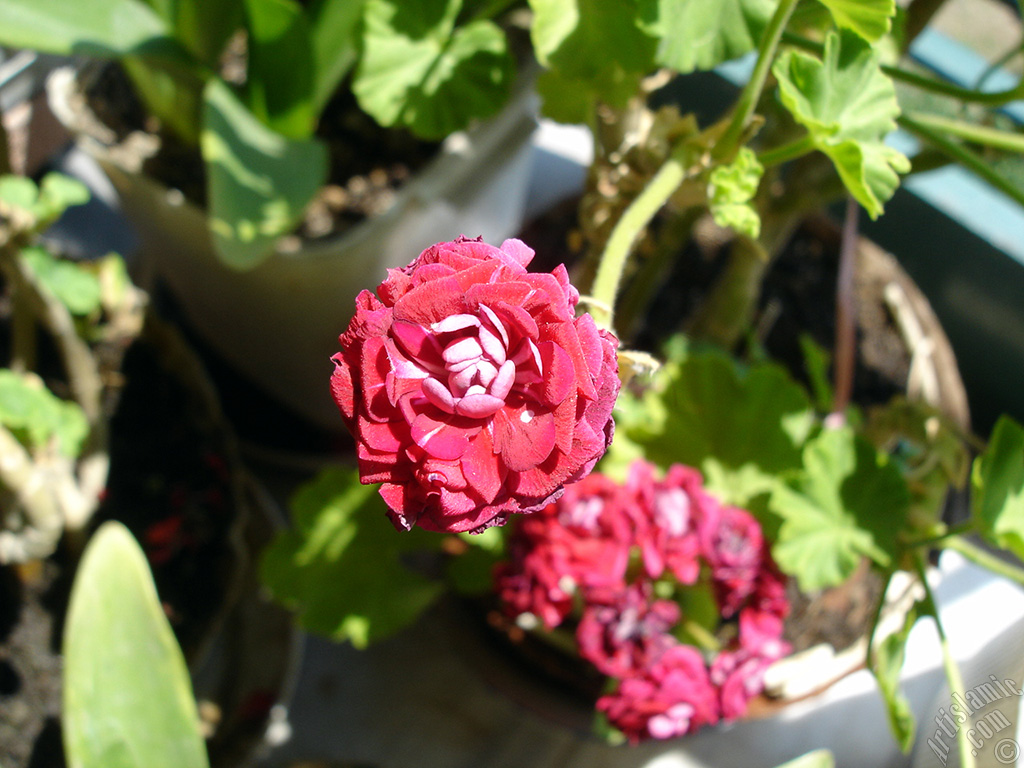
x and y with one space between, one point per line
743 427
730 191
280 96
594 51
73 285
701 34
819 758
334 25
849 106
848 502
886 664
259 182
998 487
128 700
105 28
341 566
35 415
419 71
18 193
871 19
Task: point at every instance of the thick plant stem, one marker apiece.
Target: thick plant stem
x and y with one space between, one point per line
846 321
626 231
727 311
730 141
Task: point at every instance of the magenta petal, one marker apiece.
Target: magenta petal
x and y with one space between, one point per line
559 374
478 406
439 439
518 250
503 381
524 437
455 323
438 394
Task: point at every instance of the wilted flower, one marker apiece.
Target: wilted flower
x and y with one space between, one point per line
473 390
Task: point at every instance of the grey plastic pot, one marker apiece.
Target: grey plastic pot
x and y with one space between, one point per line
278 324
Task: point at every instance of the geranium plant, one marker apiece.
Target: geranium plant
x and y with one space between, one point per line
681 611
429 66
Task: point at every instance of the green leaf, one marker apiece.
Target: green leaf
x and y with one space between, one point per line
35 415
280 96
341 566
849 106
574 39
128 700
419 71
848 502
886 663
58 192
743 427
701 34
74 285
104 28
204 27
730 190
334 25
871 19
259 182
997 480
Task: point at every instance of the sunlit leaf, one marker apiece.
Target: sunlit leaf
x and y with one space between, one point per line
341 566
36 416
701 34
849 106
998 485
871 19
128 700
259 182
594 51
742 426
418 70
73 285
848 502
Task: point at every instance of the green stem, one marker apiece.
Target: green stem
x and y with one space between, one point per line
982 557
949 665
963 156
975 134
626 231
751 94
786 152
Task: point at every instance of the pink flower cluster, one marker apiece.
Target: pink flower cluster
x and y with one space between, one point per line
606 555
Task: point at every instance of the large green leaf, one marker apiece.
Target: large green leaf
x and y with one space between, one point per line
128 701
871 19
848 502
998 487
341 567
849 106
701 34
280 96
594 51
203 27
334 25
419 71
742 426
259 182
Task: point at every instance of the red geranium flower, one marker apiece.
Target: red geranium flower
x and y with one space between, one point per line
473 390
